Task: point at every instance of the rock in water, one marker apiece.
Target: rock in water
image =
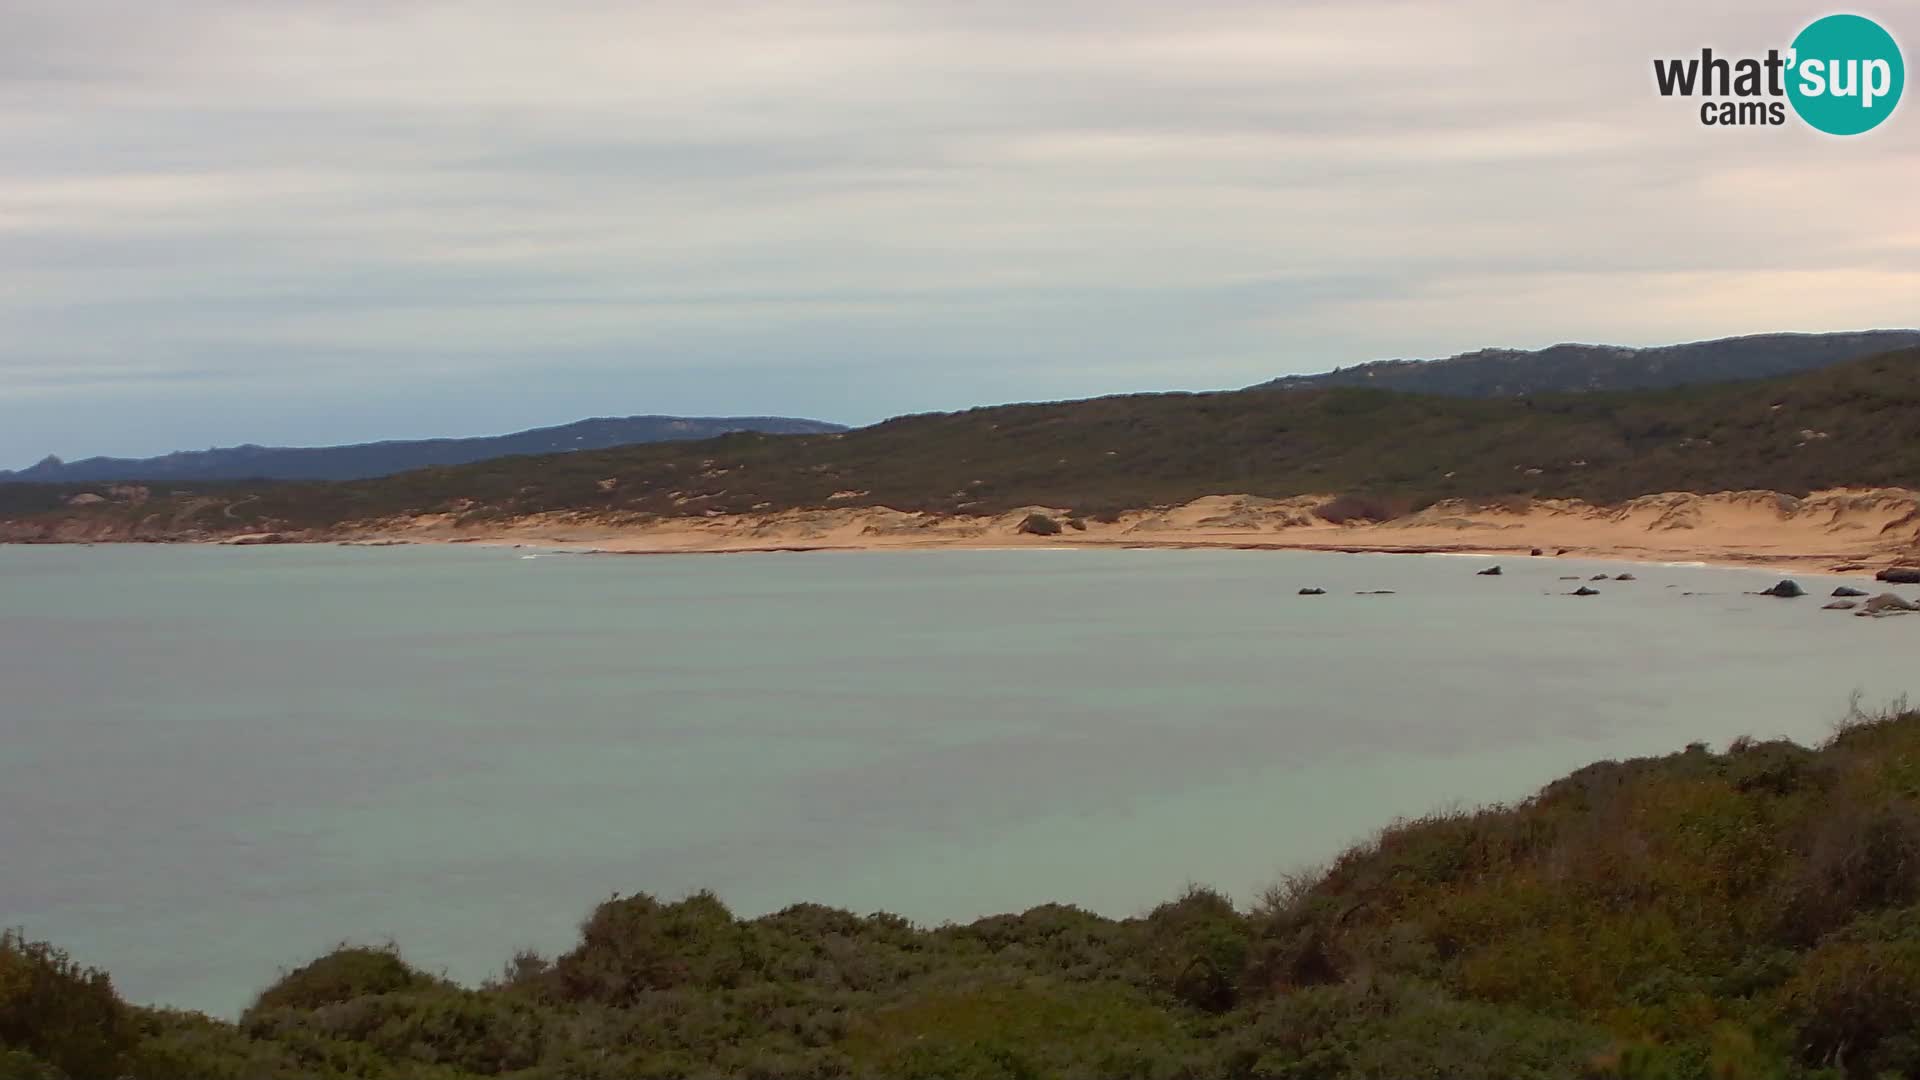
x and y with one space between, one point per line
1888 604
1899 575
1848 590
1625 577
1841 605
1787 589
1491 571
1313 592
1584 591
1598 577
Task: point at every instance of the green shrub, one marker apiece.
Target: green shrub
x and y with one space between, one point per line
1198 948
346 973
1353 508
1855 1003
634 945
56 1014
1389 1029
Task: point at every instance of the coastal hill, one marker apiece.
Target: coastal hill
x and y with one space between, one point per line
1845 426
1579 368
1849 425
1747 914
363 460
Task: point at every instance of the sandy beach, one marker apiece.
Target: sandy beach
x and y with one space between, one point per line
1833 531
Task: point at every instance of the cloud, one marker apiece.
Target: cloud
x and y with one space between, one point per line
298 221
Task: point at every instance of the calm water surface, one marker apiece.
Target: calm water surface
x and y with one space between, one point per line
216 762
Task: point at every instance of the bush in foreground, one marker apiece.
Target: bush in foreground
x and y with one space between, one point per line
1745 915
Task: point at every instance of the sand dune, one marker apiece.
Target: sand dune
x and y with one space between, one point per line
1871 527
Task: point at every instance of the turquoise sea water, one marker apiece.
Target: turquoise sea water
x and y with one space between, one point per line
217 762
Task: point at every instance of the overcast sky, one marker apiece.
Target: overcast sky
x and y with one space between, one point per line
316 221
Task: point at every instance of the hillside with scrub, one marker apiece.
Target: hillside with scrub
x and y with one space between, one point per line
1748 914
1850 425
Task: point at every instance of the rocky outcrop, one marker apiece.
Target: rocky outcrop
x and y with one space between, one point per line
1038 525
1787 589
1899 575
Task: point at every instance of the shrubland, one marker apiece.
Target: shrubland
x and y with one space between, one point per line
1747 914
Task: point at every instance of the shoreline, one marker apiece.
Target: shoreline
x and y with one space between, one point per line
1843 531
1727 561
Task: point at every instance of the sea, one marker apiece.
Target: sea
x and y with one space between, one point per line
216 763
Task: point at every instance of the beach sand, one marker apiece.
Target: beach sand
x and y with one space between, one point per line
1842 530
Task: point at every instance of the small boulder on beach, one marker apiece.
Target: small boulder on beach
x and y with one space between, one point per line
1491 571
1787 589
1899 575
1840 605
1598 577
1848 590
1584 591
1536 551
1625 577
1312 591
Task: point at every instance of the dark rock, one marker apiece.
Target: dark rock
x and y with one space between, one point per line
1840 605
1598 577
1848 590
1625 577
1313 592
1375 592
1570 577
1787 589
1584 591
1899 575
1560 551
1491 571
1536 551
1038 525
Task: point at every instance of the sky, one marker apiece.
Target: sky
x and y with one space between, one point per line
303 222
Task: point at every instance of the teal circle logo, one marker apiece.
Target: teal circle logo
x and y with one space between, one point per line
1845 74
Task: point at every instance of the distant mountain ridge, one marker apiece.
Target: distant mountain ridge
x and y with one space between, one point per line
366 460
1571 368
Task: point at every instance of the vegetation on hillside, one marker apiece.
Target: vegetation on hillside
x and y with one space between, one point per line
1851 424
1580 368
1747 914
384 458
